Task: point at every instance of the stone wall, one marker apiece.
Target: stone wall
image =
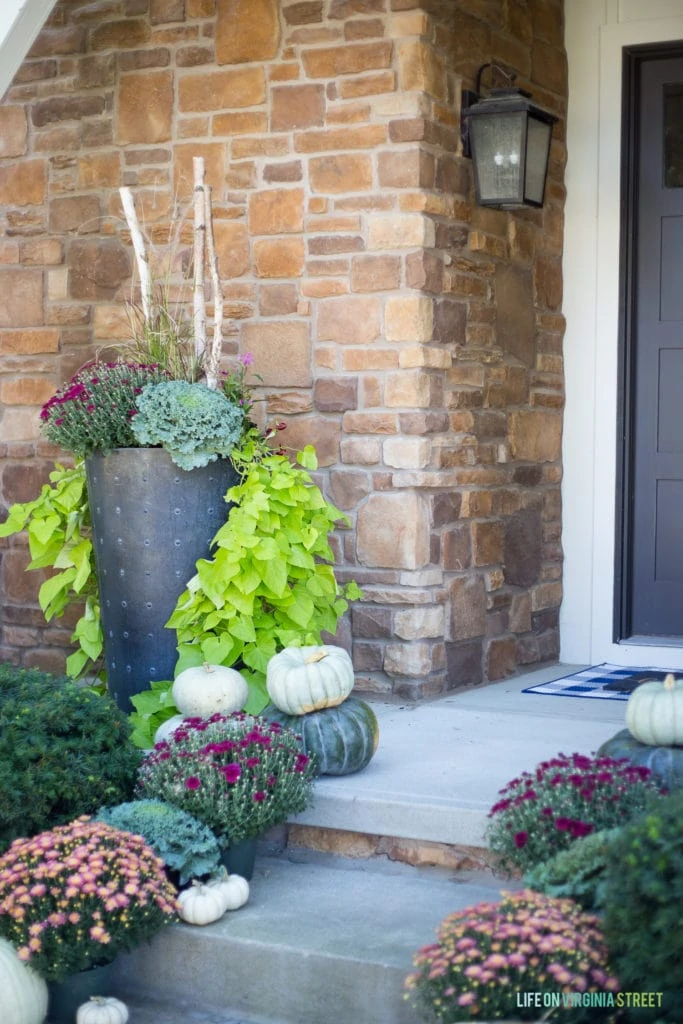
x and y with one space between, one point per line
413 337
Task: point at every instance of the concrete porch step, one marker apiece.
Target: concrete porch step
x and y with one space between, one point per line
321 939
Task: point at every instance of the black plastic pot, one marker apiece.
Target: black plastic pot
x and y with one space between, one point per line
151 522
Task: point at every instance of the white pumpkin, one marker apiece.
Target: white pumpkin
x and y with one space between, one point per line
233 888
304 679
102 1010
23 993
167 727
203 690
654 713
200 904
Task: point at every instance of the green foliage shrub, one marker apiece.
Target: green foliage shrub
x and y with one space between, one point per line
64 751
578 872
184 844
643 908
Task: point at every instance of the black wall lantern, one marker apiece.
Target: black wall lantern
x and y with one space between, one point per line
509 137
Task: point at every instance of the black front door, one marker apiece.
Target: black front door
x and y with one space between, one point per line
652 547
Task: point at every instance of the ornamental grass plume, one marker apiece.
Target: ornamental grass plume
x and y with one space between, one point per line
544 811
78 895
238 774
487 954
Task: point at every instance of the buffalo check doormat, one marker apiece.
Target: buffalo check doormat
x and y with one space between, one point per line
604 682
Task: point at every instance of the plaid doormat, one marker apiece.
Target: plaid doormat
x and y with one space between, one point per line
605 682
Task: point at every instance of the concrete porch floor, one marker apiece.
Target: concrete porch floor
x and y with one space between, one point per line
440 765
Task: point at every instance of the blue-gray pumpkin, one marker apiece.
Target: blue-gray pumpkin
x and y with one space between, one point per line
665 763
343 739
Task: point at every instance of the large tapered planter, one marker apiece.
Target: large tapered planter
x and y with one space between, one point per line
151 521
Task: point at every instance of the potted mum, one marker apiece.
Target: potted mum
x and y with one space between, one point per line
489 955
73 898
235 773
562 800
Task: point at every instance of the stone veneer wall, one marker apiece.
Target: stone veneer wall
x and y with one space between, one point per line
414 337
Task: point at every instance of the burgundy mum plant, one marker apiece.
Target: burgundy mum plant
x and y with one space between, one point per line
544 811
238 774
78 895
486 955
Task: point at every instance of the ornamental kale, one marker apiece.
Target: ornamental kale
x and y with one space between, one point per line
194 423
236 773
487 954
93 411
184 844
565 798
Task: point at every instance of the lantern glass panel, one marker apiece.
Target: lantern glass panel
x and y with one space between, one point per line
497 143
537 146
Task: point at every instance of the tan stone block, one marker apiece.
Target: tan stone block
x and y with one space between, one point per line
130 34
359 359
296 106
393 531
13 131
418 623
232 248
247 30
409 318
349 320
278 300
548 282
19 424
409 389
520 613
362 137
279 257
97 268
361 451
41 252
241 123
409 23
110 322
145 108
9 252
26 391
58 284
413 659
467 374
29 342
547 595
521 240
412 168
292 170
323 288
348 113
467 596
406 452
347 172
281 351
200 8
323 434
214 159
273 145
424 355
420 67
367 85
487 543
341 222
328 840
375 273
23 184
535 435
99 170
408 230
276 211
21 298
329 62
221 90
370 423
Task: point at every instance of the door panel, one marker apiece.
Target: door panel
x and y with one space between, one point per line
656 540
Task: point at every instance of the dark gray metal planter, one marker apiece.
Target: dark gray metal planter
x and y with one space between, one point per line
151 522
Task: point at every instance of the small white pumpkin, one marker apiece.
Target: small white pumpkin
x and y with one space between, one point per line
102 1010
304 679
654 713
200 904
233 888
203 690
23 993
167 727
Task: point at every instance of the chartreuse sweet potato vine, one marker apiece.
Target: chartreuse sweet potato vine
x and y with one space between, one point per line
58 527
270 583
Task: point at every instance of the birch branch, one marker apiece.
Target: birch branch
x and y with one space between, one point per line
141 259
199 250
213 352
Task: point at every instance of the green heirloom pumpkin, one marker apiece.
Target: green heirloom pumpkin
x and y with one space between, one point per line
665 763
343 739
654 713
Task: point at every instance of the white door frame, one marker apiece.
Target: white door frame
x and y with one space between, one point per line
596 32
